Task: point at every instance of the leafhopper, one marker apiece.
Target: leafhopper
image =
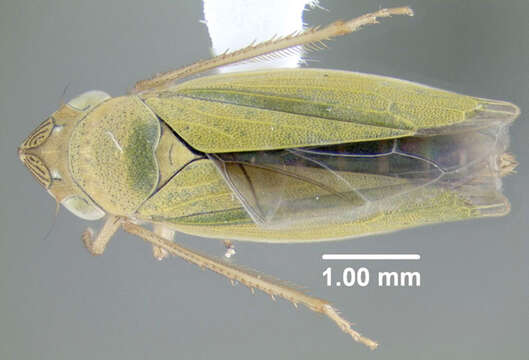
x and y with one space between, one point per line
283 155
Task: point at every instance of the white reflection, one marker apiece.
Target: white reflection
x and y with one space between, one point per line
234 24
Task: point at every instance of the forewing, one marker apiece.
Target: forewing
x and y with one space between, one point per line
292 108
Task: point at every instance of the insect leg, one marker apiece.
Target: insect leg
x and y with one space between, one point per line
97 246
165 232
312 36
250 278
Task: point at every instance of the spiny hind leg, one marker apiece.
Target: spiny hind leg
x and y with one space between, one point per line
250 278
311 38
97 245
165 232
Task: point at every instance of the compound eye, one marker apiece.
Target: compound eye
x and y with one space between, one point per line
37 168
39 135
82 208
88 100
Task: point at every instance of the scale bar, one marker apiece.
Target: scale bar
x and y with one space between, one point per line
371 257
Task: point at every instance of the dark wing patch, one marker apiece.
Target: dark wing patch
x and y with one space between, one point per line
296 187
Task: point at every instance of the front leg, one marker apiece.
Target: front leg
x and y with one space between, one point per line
97 246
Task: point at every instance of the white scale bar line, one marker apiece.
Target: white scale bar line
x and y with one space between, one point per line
371 257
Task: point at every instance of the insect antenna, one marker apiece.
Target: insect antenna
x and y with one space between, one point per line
63 96
54 222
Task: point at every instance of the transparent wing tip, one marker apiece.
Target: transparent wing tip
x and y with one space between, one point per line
496 111
487 113
494 205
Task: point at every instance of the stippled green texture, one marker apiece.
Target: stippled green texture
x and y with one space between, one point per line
112 154
196 190
438 206
142 171
265 110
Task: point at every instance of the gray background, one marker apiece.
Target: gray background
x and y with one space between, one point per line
58 302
